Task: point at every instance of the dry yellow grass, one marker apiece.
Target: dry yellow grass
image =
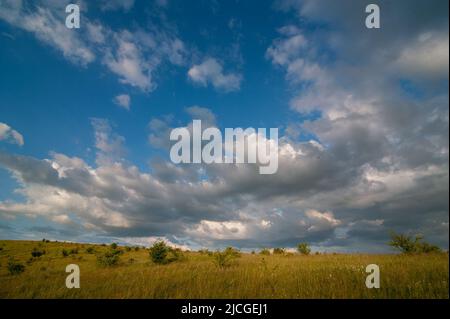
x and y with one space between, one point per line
251 276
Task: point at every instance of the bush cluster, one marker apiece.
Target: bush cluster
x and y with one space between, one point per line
67 252
15 268
37 253
409 245
109 258
225 258
161 253
279 251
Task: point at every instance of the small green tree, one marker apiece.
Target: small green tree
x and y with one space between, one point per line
159 252
304 249
409 245
114 246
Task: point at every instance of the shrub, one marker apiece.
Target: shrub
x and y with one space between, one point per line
279 251
65 252
233 252
428 248
116 251
225 258
159 252
15 268
205 252
109 258
37 253
265 251
136 248
90 250
408 245
176 254
114 246
127 248
303 248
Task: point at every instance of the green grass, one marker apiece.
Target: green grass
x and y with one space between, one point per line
197 276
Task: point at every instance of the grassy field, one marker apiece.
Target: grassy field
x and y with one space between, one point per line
197 276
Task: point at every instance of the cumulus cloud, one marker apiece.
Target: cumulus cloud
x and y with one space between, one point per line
312 197
10 135
123 100
210 71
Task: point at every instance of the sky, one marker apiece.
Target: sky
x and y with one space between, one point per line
86 114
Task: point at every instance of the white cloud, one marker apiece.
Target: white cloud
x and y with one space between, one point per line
149 241
133 55
110 145
96 33
47 27
123 100
219 230
10 135
129 64
321 221
211 72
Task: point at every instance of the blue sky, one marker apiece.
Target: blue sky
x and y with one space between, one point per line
363 119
